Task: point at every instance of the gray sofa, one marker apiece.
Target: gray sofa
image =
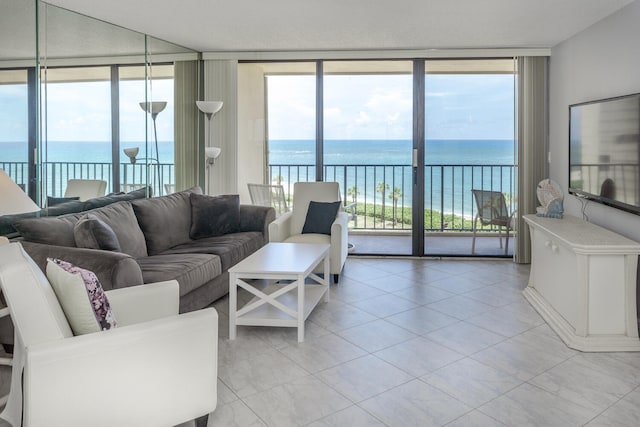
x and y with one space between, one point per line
155 244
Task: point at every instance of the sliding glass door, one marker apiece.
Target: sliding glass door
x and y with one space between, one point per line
408 141
469 145
367 148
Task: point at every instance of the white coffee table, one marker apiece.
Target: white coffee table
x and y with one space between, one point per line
279 304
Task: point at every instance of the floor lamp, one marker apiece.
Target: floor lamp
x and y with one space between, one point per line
155 108
211 153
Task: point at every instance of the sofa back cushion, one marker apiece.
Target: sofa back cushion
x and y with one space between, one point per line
122 220
165 221
99 202
48 230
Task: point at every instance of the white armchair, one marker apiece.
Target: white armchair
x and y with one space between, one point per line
157 368
288 226
85 189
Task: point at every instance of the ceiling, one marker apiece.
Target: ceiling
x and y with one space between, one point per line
294 25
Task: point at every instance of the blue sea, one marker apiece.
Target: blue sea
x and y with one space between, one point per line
392 152
443 174
300 152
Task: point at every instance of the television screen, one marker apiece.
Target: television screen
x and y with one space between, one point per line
604 151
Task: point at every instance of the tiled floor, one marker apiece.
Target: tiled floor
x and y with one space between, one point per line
421 343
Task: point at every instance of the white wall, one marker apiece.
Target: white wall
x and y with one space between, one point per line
221 82
600 62
251 128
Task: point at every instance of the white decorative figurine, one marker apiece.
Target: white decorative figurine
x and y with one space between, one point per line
551 199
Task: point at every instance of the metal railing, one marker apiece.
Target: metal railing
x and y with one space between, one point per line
382 193
56 174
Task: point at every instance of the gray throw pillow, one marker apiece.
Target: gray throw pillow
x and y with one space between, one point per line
320 217
92 233
214 215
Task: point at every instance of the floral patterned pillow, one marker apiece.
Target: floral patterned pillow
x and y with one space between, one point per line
81 296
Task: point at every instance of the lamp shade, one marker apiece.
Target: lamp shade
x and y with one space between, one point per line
153 107
209 107
212 152
12 199
132 153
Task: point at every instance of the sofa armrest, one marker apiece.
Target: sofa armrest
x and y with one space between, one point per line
150 374
280 229
256 218
113 269
137 304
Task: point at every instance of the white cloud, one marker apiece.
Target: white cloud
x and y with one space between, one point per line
363 118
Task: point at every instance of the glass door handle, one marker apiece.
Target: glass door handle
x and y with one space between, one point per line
414 164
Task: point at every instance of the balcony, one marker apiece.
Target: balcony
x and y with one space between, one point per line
381 216
380 196
159 176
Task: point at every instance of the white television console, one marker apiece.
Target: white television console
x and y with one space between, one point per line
583 283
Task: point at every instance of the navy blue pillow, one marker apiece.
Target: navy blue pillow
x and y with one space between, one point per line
320 217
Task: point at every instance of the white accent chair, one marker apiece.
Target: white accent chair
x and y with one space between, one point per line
288 226
85 189
157 368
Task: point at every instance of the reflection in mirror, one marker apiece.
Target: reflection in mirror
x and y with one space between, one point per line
94 76
17 65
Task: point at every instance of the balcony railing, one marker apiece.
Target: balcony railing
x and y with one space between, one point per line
381 194
131 175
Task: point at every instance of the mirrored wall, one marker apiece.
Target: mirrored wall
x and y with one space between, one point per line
84 99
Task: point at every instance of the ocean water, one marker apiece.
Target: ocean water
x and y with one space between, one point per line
298 152
392 152
82 151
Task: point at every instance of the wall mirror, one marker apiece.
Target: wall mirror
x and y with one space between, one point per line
89 100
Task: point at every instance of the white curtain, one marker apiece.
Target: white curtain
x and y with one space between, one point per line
187 154
532 132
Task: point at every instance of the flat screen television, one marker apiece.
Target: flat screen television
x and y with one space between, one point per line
604 151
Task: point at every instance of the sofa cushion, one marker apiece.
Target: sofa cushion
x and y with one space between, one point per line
48 230
120 217
231 248
81 296
92 233
165 221
214 215
190 270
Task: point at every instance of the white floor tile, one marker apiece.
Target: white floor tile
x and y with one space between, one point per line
354 379
415 404
433 343
297 403
528 405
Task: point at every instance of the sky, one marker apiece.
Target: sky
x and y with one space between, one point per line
355 107
381 107
82 111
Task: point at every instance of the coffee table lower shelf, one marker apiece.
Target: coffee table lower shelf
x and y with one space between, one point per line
268 315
